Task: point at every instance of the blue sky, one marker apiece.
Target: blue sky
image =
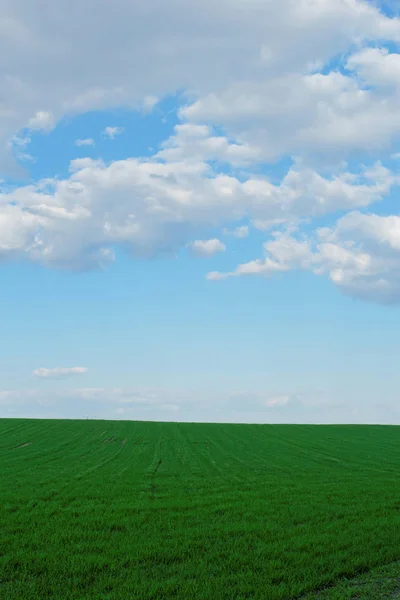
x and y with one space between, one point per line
202 235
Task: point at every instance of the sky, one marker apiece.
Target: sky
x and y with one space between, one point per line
199 210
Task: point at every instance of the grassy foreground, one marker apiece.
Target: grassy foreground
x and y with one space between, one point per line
127 510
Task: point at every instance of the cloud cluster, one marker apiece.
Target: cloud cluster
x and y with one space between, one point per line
312 82
361 255
132 54
319 116
166 405
152 206
114 403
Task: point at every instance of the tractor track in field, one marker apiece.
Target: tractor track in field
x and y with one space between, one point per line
355 580
153 489
153 482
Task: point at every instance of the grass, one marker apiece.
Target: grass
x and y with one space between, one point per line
378 584
132 510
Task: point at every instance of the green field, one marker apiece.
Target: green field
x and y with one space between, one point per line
119 510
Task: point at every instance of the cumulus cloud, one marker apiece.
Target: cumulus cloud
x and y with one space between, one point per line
360 254
151 207
112 132
312 82
59 372
207 247
330 116
83 65
376 66
198 142
84 142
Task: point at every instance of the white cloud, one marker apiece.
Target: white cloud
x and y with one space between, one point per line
360 254
153 207
59 372
207 247
273 95
130 53
330 116
84 142
112 132
42 120
376 66
198 143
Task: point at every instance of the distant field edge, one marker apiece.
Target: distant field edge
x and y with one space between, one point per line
236 423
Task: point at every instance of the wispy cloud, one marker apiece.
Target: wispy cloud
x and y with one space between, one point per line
59 372
239 232
112 132
149 103
84 142
19 144
306 406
